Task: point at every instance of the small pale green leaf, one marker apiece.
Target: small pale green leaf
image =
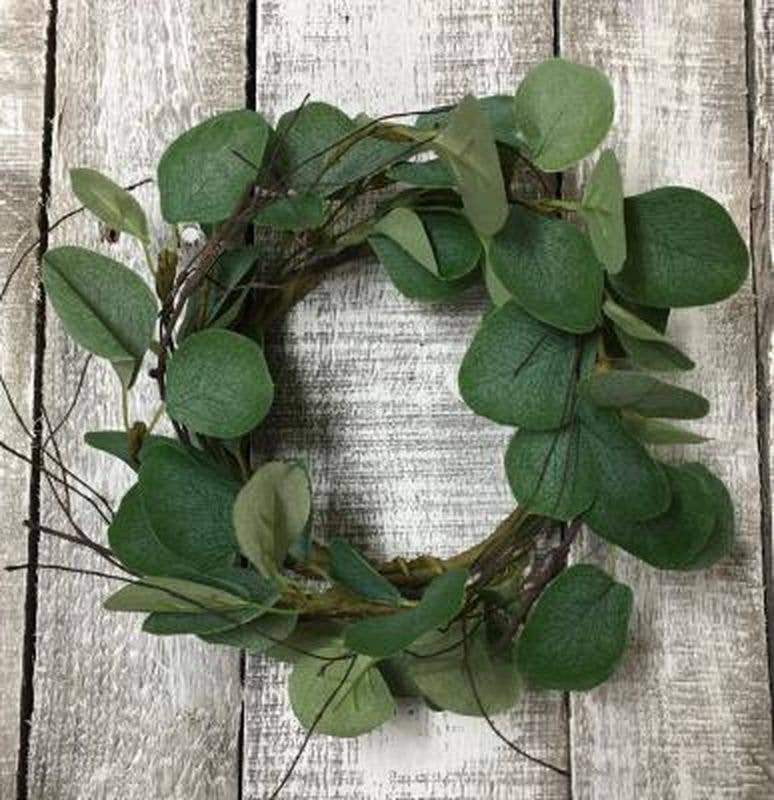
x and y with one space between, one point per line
271 514
171 595
436 664
467 144
642 394
656 431
576 634
296 212
205 172
361 700
562 113
349 568
109 202
380 637
519 371
218 384
103 305
549 267
602 210
683 249
188 504
498 294
404 227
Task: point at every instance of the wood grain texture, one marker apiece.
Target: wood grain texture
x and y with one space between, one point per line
688 714
367 394
22 72
118 713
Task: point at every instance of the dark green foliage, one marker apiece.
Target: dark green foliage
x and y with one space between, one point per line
352 571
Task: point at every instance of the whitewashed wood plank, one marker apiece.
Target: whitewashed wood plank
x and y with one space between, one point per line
688 714
367 393
22 75
118 713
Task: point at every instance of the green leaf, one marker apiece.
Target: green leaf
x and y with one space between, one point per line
552 472
256 636
498 294
202 622
642 394
467 145
576 634
411 279
384 636
323 150
109 202
361 700
188 504
683 249
671 540
171 595
271 514
218 384
549 267
721 539
103 305
296 212
116 443
628 479
499 111
436 664
457 247
310 637
432 174
602 210
658 356
404 227
519 371
562 112
351 570
204 173
655 431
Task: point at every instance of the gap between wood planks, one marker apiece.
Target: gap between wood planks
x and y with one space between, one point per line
759 173
27 694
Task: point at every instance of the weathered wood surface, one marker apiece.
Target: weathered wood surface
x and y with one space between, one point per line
119 714
688 714
368 396
22 71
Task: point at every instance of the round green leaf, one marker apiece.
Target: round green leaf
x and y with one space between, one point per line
404 227
576 634
188 504
721 539
380 637
109 202
548 266
552 472
562 112
204 173
642 394
602 210
271 514
683 249
218 384
456 246
436 664
361 699
411 279
672 540
519 371
103 305
432 174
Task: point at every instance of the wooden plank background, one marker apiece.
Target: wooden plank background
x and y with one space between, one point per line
368 396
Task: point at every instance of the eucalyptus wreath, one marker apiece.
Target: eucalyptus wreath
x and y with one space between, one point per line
214 540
